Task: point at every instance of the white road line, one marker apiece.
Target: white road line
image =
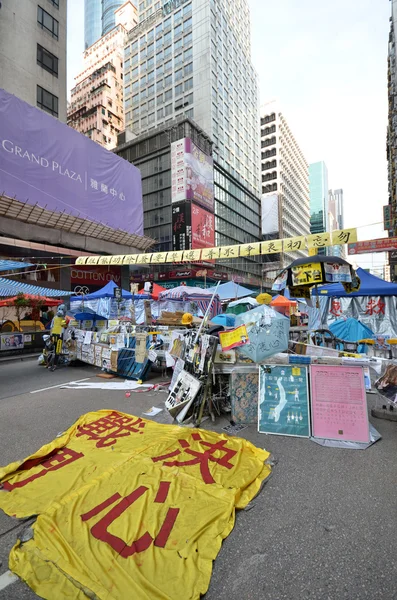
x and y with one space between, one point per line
52 387
7 579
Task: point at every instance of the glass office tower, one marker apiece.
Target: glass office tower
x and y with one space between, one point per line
99 18
318 177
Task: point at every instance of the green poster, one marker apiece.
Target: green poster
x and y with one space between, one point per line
283 406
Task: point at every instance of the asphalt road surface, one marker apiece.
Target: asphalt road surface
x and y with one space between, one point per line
324 526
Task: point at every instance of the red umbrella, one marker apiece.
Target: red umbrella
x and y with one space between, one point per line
47 301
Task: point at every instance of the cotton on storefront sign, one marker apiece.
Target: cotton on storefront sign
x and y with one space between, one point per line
95 277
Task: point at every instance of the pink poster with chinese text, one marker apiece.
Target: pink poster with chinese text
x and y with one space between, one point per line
339 403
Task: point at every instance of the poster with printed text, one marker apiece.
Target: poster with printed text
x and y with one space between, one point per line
283 406
339 403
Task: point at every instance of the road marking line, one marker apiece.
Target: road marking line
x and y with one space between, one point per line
52 387
7 579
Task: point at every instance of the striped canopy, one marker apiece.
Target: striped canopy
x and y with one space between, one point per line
8 287
13 265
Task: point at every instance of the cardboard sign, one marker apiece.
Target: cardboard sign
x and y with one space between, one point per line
148 312
234 338
140 347
339 403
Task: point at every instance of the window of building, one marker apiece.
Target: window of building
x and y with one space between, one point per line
188 99
177 16
179 89
168 65
187 23
47 22
159 85
187 39
47 101
151 118
189 84
159 56
135 85
168 95
134 46
187 9
178 30
178 75
160 99
160 113
150 63
134 73
150 49
150 104
150 90
159 71
150 35
178 59
143 80
167 23
134 59
55 3
159 29
188 54
142 41
143 94
188 69
178 44
143 121
167 37
168 52
127 51
168 110
47 60
168 80
189 113
150 76
135 99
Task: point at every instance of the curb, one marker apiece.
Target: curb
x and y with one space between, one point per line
20 357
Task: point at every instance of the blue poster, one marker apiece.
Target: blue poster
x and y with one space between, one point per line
283 406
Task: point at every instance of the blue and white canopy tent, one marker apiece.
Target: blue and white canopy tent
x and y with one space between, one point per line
374 305
13 265
9 287
230 291
103 302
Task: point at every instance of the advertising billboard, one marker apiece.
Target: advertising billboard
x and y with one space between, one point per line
379 245
46 163
270 214
192 174
181 227
203 228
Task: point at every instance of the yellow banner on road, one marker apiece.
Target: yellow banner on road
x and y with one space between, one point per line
128 508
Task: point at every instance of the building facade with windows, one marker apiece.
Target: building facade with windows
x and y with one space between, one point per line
319 192
336 219
33 53
151 153
97 102
285 172
192 59
99 19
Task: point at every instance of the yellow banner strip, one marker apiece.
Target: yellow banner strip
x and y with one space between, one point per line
311 243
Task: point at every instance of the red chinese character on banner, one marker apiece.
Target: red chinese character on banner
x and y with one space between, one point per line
114 425
60 459
336 308
375 307
100 529
200 458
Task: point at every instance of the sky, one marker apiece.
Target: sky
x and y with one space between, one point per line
325 62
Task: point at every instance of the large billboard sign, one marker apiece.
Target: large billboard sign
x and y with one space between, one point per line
192 174
379 245
46 163
181 227
203 228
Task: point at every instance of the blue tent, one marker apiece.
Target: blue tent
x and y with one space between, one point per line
370 286
107 292
231 291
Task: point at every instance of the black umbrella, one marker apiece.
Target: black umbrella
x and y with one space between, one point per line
304 273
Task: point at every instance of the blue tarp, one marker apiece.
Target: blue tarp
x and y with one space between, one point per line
351 330
370 286
231 290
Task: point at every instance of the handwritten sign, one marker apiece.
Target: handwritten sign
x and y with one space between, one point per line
339 403
234 338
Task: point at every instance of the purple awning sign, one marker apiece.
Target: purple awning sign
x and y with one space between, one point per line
45 162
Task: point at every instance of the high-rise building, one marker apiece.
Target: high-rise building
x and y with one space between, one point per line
336 219
285 176
99 18
318 182
97 102
392 121
192 58
33 53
